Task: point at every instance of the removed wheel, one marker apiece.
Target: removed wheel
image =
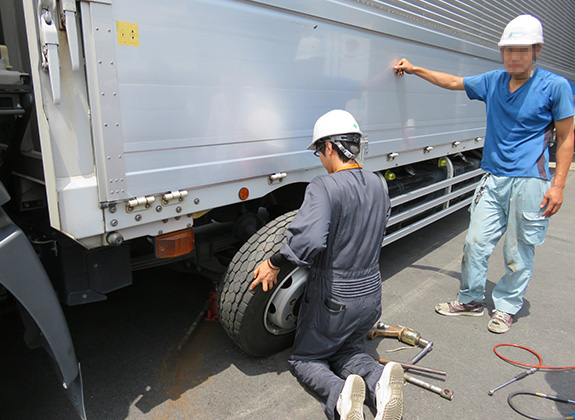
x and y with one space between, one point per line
261 323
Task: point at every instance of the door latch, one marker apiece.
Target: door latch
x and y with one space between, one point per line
50 42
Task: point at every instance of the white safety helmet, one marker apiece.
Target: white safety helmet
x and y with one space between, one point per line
523 30
334 123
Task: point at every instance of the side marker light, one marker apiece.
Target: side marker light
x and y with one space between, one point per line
175 244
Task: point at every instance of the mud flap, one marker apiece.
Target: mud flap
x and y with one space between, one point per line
24 277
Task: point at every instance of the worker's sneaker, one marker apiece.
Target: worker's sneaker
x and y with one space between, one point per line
350 402
389 393
456 308
500 322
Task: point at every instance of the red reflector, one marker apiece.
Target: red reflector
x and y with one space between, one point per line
175 244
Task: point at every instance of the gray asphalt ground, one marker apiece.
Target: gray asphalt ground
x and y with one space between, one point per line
133 370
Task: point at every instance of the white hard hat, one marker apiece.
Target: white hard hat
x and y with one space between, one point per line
334 123
523 30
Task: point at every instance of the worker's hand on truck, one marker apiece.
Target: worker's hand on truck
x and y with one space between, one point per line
443 80
266 274
403 66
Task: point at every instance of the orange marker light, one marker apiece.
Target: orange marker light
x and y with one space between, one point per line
244 193
175 244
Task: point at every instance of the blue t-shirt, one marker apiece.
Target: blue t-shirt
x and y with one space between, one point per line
520 124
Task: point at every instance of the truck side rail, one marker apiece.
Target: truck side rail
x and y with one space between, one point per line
422 214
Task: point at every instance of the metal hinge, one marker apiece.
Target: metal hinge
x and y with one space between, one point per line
174 195
276 178
146 202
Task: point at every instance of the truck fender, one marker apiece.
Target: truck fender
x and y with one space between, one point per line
24 277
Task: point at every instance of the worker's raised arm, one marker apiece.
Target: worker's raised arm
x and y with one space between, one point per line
444 80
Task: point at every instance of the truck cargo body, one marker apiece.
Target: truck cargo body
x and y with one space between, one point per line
208 97
194 116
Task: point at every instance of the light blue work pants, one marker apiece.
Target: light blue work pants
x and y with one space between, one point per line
503 204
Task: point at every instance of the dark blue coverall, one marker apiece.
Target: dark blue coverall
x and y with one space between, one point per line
338 232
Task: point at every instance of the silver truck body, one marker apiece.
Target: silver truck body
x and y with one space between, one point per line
208 97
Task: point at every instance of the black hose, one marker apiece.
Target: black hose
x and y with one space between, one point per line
540 395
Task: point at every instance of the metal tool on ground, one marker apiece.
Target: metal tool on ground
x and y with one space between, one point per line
208 312
403 334
443 392
411 337
423 352
192 327
408 366
517 378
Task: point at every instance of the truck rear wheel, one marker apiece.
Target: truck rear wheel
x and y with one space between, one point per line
261 323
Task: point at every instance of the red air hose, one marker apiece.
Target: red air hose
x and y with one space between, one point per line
539 366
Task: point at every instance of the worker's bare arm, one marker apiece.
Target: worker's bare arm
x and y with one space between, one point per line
554 196
444 80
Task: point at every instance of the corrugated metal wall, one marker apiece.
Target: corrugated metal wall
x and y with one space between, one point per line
482 21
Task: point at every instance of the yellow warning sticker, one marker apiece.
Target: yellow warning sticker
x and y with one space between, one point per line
128 34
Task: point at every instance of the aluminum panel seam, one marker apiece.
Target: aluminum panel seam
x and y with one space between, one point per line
100 40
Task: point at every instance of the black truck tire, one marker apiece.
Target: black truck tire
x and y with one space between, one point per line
261 323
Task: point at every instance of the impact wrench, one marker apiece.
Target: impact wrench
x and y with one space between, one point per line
403 334
517 378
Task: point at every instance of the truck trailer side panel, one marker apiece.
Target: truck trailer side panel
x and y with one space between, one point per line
211 94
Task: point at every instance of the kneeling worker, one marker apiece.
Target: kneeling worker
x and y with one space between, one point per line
338 233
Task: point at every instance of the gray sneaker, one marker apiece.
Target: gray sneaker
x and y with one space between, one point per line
500 322
350 401
389 393
456 308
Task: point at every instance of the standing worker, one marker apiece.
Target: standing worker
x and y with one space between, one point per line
524 104
338 233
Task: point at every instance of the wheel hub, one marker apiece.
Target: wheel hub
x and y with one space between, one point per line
280 316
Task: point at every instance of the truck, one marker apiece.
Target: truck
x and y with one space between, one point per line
144 133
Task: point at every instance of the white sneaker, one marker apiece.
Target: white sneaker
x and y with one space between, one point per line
389 393
350 402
